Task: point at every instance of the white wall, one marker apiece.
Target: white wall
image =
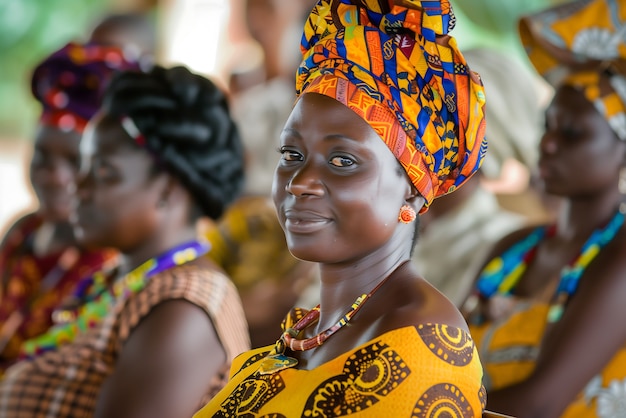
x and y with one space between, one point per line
15 193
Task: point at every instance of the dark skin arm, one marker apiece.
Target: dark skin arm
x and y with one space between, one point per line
577 347
165 367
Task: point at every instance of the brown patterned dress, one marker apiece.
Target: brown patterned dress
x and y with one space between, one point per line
66 382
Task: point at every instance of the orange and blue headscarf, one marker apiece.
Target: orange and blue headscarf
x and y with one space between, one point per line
399 69
70 82
583 44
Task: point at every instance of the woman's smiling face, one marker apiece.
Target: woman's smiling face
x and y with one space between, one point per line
337 188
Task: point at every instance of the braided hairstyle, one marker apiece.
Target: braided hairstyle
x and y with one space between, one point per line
184 122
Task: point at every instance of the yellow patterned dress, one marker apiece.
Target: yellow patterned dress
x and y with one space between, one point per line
508 350
509 346
431 370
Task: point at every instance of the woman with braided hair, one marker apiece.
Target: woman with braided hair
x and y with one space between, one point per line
388 117
156 337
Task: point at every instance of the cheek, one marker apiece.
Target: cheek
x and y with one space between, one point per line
122 217
602 165
134 208
369 218
278 190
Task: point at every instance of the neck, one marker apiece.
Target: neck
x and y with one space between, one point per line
341 285
154 247
579 217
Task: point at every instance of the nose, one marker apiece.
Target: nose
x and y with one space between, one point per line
83 184
548 144
64 174
58 173
305 182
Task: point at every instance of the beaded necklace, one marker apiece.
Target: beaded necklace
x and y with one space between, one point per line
276 360
502 273
100 300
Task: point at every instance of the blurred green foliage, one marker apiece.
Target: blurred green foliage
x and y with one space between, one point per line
29 31
493 23
32 29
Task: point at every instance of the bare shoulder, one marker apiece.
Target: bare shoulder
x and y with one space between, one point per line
437 308
417 302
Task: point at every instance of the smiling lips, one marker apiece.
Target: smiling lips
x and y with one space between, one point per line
304 222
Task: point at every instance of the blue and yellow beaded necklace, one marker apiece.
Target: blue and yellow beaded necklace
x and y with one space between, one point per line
502 273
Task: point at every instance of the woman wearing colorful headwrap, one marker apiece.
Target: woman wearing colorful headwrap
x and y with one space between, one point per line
158 341
550 325
388 117
40 260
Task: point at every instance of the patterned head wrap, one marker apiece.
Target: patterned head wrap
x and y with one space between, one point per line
583 44
512 89
398 69
70 82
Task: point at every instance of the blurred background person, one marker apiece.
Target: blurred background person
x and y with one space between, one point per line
162 152
263 96
40 258
549 326
134 32
467 223
208 36
249 244
248 241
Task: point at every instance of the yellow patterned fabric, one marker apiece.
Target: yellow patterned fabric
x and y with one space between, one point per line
582 44
428 371
398 69
508 350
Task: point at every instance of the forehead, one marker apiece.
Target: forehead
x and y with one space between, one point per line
571 99
321 123
105 135
571 107
53 139
322 114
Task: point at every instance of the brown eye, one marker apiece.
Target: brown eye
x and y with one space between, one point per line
341 161
290 155
104 172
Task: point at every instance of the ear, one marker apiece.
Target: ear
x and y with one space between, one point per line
168 184
415 199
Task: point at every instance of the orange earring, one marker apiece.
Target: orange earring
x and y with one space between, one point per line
407 214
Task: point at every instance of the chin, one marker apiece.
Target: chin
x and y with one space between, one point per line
87 239
56 214
317 254
556 192
304 254
307 252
